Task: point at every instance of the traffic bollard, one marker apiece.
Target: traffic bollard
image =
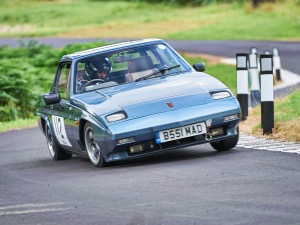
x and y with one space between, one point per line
267 93
254 80
242 83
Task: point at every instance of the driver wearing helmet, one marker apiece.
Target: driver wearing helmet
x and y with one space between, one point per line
97 70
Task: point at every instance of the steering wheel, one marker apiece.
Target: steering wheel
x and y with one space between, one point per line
95 81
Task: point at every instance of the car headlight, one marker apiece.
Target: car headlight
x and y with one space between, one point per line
116 117
220 95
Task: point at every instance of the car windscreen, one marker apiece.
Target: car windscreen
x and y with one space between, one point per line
127 65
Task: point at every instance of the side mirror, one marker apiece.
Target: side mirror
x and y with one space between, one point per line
200 66
50 99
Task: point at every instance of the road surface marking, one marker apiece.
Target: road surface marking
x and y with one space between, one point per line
247 141
32 208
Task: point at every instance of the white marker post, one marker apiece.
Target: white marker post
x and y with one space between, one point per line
242 83
267 93
254 80
277 63
253 50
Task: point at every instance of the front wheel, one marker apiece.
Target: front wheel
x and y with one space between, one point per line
227 144
92 147
55 150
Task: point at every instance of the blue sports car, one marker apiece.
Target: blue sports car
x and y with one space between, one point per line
133 99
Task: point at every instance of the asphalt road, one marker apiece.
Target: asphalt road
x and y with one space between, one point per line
194 185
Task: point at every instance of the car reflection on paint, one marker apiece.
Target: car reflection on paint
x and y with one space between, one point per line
151 100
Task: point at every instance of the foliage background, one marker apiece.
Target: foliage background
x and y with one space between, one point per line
27 72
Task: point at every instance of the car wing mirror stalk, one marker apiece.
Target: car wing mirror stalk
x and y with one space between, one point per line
200 66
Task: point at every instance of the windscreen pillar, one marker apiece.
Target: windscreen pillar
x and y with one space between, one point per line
242 83
277 63
254 80
267 93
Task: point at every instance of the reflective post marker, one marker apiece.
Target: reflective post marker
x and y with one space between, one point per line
277 63
254 80
242 82
267 93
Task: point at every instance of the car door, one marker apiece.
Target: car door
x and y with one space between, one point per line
62 116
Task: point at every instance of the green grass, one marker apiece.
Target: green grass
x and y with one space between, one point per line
123 19
286 118
18 124
270 22
289 108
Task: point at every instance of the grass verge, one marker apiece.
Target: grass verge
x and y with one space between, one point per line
126 19
18 124
286 117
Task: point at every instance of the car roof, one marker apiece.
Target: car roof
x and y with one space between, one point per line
110 47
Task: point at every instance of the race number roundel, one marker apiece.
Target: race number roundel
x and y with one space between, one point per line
60 131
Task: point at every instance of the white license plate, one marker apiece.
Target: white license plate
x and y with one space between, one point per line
180 132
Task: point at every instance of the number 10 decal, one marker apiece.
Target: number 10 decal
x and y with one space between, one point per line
60 131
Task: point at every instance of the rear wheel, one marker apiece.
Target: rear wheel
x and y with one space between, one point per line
55 150
227 144
92 147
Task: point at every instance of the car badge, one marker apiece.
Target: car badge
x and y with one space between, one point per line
170 104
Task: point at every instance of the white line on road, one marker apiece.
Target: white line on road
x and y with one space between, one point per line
247 141
31 208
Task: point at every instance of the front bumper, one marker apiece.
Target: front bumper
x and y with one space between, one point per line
143 129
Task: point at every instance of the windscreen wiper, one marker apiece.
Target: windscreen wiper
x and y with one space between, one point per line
162 71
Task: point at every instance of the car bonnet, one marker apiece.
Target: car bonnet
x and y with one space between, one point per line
153 96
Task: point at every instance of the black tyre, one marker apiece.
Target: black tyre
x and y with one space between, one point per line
227 144
55 150
92 147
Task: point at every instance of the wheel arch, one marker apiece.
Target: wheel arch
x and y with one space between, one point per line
43 121
82 123
96 126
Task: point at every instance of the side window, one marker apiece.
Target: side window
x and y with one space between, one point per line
63 87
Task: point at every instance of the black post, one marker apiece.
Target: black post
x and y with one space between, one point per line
267 93
242 83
